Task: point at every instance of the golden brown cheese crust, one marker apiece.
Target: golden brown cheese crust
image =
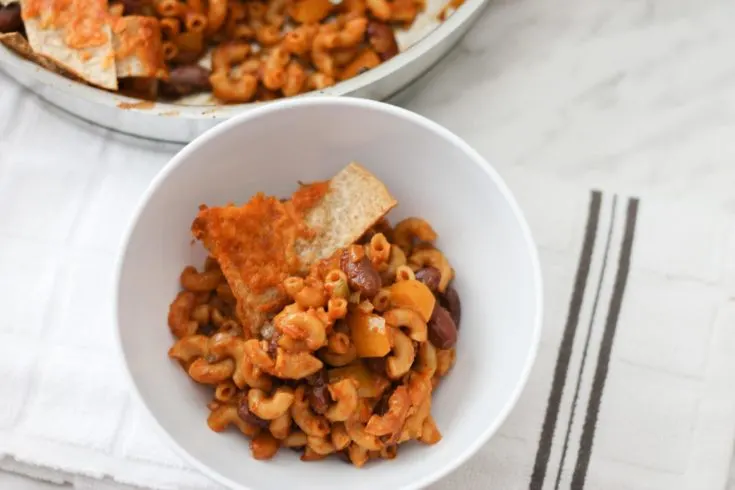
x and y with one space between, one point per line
138 47
255 247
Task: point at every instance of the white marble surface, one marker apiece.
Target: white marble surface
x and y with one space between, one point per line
635 95
631 94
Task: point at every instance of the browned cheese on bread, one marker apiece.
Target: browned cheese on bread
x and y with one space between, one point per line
257 255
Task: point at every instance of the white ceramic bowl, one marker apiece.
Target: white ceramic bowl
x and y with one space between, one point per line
433 174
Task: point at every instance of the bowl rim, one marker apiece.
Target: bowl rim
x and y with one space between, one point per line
9 59
483 436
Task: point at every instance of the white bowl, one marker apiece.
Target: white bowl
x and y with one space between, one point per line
433 174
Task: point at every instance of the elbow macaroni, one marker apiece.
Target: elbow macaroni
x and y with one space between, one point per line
208 373
216 15
225 345
396 259
338 342
264 446
320 445
304 326
379 250
392 421
412 229
400 362
336 308
313 425
295 439
270 407
339 360
225 391
404 273
444 361
358 455
225 415
302 384
408 319
381 301
340 438
344 393
356 430
280 427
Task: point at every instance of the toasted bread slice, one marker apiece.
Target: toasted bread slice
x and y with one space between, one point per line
356 200
253 251
95 63
249 255
138 51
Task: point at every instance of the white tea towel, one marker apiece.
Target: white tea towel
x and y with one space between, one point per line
633 384
632 389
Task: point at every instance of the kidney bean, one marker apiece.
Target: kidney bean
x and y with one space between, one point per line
341 326
207 329
361 275
375 364
429 276
319 398
318 378
291 383
273 344
10 20
244 412
187 79
382 39
382 406
442 330
366 237
133 6
450 301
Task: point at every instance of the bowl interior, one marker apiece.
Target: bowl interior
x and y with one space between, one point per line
433 175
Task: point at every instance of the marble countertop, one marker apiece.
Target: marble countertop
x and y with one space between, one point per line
636 95
631 95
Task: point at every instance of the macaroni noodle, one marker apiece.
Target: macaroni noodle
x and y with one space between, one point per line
445 360
280 427
404 273
379 249
392 421
344 393
226 415
411 229
403 355
264 445
225 391
204 372
408 319
270 407
340 438
338 342
358 455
